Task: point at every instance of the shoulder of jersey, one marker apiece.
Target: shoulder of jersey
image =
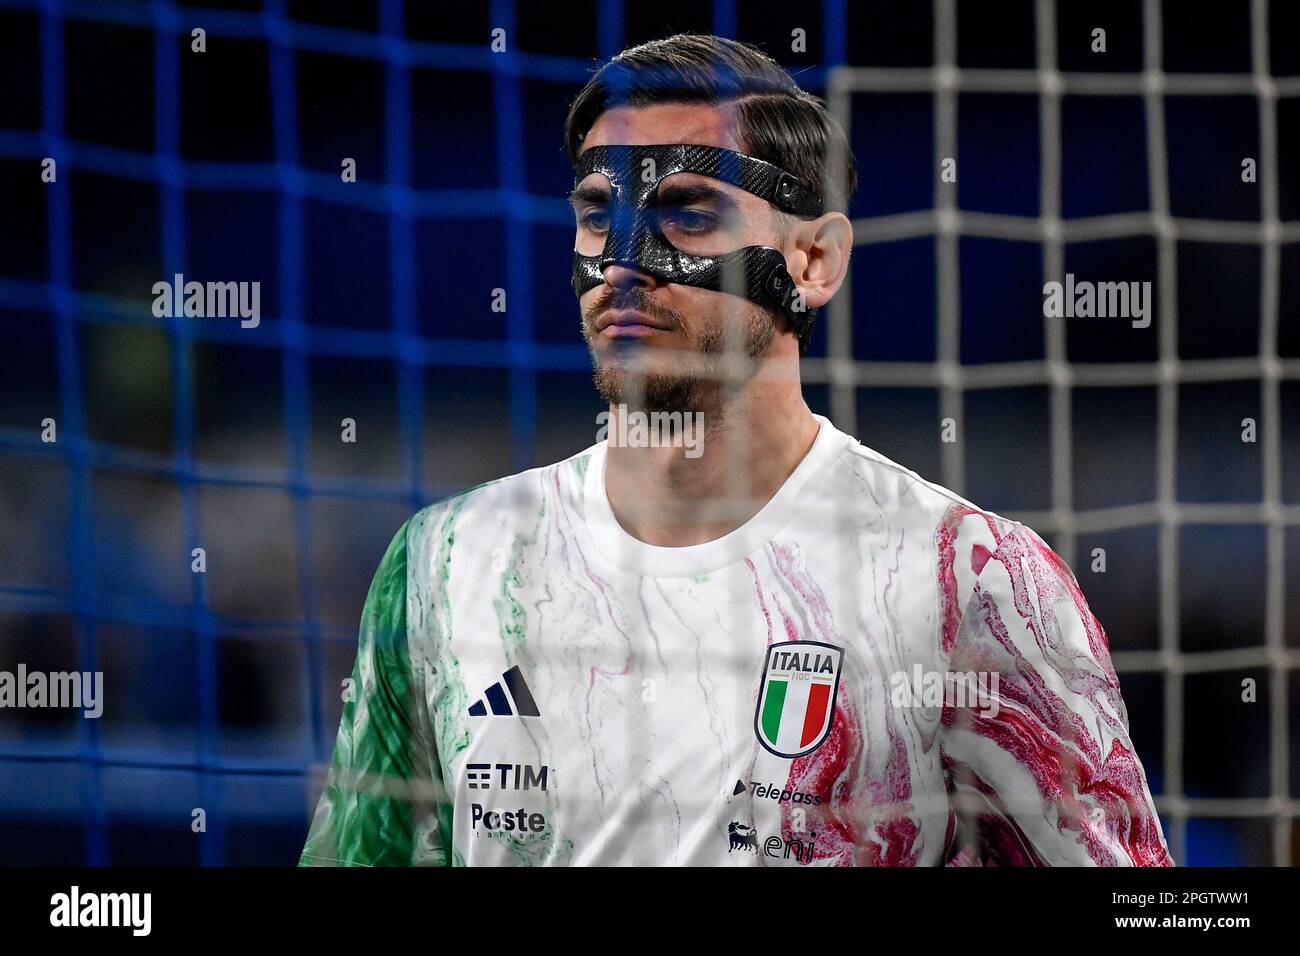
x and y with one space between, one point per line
902 485
519 495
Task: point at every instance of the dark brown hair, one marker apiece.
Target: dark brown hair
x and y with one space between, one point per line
777 121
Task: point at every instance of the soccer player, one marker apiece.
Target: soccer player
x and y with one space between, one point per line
728 634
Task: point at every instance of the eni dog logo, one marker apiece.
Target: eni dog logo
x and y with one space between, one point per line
796 700
741 837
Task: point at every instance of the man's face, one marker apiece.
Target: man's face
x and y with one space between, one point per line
658 345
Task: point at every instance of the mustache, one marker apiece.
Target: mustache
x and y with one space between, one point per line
632 297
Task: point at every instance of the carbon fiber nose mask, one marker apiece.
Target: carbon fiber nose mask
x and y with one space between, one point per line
635 239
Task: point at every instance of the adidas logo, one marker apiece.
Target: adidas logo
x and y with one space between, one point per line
512 681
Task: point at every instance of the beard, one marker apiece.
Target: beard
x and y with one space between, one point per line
697 385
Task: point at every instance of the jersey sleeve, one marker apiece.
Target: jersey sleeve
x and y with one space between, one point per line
1041 770
383 803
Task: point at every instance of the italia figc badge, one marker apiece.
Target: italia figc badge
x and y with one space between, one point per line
796 700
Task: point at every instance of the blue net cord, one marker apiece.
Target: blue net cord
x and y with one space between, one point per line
287 333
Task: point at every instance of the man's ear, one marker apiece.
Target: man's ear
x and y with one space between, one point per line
819 259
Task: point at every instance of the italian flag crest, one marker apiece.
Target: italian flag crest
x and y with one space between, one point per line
796 700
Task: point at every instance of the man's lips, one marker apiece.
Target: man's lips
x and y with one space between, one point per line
629 322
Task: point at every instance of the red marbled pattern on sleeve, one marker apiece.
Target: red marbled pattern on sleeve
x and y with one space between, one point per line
1051 776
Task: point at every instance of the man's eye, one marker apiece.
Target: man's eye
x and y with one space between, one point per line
689 220
596 220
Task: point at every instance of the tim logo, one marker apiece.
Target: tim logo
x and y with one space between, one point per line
796 699
505 776
741 837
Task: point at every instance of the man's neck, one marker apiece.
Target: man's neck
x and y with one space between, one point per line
751 444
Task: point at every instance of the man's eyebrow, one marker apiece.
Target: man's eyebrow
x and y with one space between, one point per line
590 193
683 194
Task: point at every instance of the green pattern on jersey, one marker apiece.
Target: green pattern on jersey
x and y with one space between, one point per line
511 617
435 528
383 804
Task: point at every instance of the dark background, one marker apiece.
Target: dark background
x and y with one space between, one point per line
222 689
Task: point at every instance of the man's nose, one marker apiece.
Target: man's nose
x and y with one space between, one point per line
626 275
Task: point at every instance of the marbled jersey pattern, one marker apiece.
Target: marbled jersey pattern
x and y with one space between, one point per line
535 687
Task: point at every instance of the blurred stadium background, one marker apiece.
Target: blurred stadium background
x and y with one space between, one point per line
222 689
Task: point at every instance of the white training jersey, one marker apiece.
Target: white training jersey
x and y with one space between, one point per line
870 671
